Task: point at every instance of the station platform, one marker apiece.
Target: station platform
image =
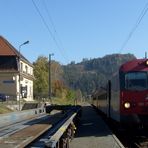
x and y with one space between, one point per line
93 132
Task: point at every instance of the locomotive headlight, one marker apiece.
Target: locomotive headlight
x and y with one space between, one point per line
146 63
127 105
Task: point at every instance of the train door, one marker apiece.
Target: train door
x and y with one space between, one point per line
114 101
108 98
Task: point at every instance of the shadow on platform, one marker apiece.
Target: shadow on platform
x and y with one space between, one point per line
91 124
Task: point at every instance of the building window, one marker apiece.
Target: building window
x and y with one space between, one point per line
21 67
24 91
26 69
30 70
30 90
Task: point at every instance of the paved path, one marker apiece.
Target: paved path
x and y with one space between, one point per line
93 132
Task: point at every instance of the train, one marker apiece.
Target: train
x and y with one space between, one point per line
124 98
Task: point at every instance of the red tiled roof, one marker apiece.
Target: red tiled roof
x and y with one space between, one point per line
6 48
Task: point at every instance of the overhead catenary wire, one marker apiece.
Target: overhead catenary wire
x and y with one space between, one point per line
48 29
54 28
141 16
51 21
50 32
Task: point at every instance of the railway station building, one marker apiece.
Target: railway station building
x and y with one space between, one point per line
16 73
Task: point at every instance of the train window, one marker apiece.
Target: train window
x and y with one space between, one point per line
136 81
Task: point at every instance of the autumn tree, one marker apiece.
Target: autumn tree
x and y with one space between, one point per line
41 82
41 77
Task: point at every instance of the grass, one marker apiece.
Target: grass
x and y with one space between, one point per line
65 101
62 101
4 109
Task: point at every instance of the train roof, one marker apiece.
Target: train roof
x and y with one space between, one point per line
135 65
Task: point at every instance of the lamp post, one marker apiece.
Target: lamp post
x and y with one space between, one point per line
50 76
20 73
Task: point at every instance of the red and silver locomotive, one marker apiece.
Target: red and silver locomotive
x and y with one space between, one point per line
125 98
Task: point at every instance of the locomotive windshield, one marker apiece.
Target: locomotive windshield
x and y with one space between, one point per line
136 81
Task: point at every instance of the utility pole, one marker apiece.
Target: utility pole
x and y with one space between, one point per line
50 77
145 55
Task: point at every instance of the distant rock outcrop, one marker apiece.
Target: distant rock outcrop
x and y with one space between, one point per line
89 75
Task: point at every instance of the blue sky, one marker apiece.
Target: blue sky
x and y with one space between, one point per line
82 28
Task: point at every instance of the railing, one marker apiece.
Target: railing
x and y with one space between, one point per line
63 132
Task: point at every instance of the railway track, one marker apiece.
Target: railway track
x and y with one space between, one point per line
130 138
139 138
141 142
27 134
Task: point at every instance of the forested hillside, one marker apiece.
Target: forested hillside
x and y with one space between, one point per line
91 74
73 80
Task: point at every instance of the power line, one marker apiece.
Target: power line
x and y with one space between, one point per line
53 26
142 14
43 20
49 16
47 27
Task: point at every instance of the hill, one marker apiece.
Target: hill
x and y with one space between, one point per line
89 75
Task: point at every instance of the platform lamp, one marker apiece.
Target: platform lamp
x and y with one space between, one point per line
27 42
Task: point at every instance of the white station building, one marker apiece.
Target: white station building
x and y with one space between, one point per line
13 66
